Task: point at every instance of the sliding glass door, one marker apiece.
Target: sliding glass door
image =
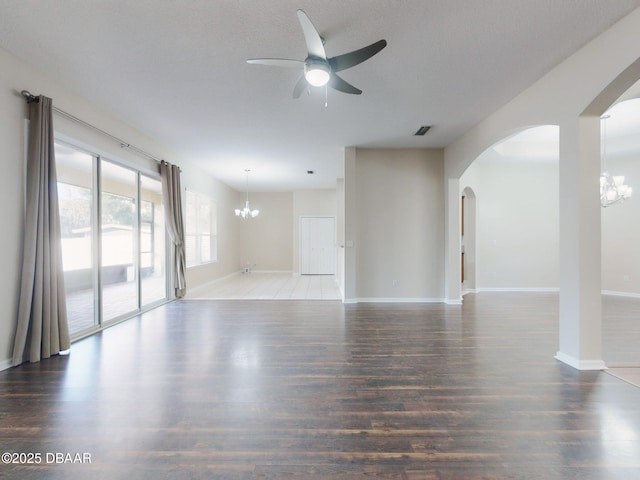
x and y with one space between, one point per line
120 271
76 172
153 251
118 235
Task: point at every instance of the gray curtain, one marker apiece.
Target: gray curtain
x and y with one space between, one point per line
173 218
42 328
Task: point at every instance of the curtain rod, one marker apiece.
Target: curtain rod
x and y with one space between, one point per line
29 97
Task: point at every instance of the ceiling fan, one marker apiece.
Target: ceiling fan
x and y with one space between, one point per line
318 70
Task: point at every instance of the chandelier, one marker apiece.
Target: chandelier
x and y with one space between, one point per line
612 187
246 212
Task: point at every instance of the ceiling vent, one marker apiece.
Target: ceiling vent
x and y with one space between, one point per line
422 130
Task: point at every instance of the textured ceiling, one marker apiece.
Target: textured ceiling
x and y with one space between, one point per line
176 70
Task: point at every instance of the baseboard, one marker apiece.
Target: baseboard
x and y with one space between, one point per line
288 272
5 364
621 294
543 290
519 289
453 301
580 364
400 300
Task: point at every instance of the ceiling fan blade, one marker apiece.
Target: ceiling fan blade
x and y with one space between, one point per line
339 84
300 86
348 60
277 62
315 47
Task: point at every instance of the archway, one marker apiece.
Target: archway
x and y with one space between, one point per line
620 234
514 186
580 333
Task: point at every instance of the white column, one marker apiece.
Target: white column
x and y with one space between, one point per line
340 232
350 225
580 339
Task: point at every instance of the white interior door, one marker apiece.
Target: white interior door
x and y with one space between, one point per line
317 245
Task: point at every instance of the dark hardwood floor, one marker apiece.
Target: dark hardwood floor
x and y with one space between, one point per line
321 390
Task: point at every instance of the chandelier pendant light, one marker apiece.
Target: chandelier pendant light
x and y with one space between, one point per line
612 187
246 212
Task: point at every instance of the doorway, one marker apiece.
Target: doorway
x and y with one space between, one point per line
468 241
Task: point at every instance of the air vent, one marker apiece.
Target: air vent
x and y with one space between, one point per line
422 130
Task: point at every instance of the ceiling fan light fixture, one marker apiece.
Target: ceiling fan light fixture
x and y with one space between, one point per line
318 69
317 73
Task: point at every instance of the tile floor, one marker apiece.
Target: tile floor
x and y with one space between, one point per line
271 286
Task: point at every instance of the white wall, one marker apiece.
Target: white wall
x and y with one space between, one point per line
15 76
12 113
266 240
227 200
517 244
399 216
621 233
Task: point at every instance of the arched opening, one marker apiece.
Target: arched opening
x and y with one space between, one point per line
515 221
620 234
515 201
580 309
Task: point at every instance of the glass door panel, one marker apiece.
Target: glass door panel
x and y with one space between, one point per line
153 285
116 273
119 243
75 172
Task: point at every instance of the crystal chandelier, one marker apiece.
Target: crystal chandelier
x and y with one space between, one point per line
246 212
612 187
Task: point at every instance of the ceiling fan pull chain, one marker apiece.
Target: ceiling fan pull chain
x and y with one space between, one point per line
326 97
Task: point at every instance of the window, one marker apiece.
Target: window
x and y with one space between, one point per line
201 230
